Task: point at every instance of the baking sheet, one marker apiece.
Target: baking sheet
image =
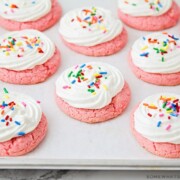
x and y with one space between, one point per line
71 144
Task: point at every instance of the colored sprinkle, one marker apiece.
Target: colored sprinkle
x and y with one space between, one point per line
69 75
24 104
38 101
103 73
168 127
5 90
73 81
21 133
159 123
150 115
17 123
162 59
144 54
82 65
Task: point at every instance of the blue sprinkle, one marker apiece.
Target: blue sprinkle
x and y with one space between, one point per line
18 123
33 2
36 44
103 73
82 65
175 115
158 124
87 18
176 39
144 38
21 133
91 84
2 120
144 54
6 4
73 81
160 5
12 108
29 46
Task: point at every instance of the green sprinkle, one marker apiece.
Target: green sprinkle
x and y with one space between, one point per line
157 9
105 77
168 109
91 90
164 104
5 90
9 37
69 75
134 4
162 59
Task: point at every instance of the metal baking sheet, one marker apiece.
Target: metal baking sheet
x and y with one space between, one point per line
71 144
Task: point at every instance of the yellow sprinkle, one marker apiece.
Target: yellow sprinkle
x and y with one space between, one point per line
96 74
7 53
6 96
38 41
94 93
156 1
165 48
169 111
105 87
145 47
19 43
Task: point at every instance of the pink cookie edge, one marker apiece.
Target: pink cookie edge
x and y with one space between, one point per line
172 79
27 142
38 74
167 150
41 24
152 23
105 49
115 108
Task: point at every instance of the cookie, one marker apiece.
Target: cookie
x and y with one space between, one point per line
27 57
92 31
37 14
155 59
149 15
92 92
22 124
155 124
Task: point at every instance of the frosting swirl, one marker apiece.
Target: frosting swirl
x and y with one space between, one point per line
24 10
144 7
157 118
21 50
89 26
19 115
157 53
89 86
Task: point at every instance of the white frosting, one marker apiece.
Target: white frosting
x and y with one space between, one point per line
23 117
169 129
157 62
22 56
78 95
75 28
24 10
144 8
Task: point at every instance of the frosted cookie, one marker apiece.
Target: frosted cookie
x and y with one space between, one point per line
29 14
149 15
92 31
22 124
27 57
155 123
92 92
155 59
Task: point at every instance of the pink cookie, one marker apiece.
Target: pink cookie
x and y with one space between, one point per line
167 150
114 109
152 23
172 79
155 59
31 58
24 144
92 32
155 124
104 49
41 24
32 76
92 92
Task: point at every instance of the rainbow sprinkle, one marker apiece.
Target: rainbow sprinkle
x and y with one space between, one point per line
90 18
162 48
19 47
81 75
170 109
